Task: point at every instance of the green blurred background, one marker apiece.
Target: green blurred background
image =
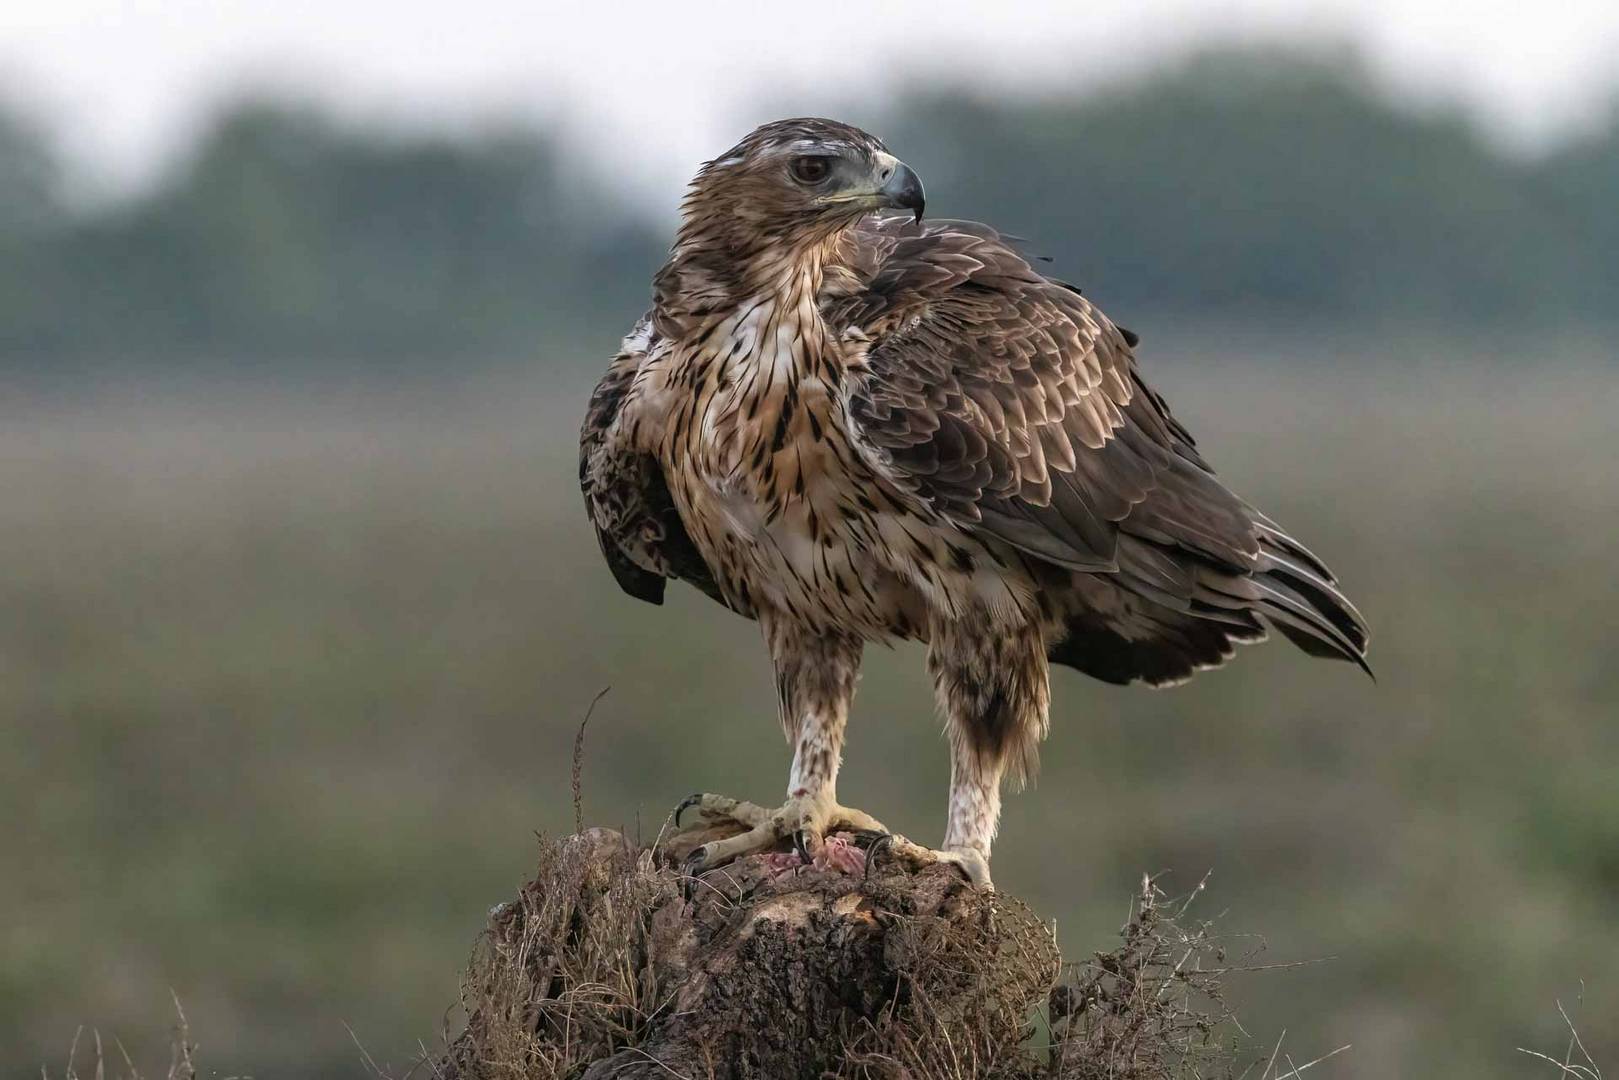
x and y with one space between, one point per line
299 610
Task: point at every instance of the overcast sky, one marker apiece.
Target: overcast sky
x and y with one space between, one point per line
654 87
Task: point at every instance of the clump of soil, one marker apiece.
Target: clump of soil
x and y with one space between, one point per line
612 963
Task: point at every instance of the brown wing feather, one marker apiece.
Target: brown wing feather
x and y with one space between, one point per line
1014 407
640 531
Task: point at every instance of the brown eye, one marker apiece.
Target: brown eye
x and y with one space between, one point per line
810 169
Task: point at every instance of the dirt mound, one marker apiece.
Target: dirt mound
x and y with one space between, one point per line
611 963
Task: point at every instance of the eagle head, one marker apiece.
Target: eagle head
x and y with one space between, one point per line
796 183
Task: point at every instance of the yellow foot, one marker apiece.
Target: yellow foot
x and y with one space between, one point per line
973 864
807 819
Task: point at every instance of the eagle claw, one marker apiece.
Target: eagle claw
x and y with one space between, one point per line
807 821
873 847
969 862
686 804
691 867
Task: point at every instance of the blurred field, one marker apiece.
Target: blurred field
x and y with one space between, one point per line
290 679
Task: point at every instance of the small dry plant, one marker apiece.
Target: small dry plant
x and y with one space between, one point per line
1155 1007
181 1049
1570 1066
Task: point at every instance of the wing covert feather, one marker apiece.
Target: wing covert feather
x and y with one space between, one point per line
1013 407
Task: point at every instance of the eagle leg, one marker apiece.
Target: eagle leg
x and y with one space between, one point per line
991 680
816 674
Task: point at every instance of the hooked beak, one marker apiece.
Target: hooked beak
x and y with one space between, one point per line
902 188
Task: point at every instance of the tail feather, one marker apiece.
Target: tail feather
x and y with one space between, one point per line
1315 617
1287 586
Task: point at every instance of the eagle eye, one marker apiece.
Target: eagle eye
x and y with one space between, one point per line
810 168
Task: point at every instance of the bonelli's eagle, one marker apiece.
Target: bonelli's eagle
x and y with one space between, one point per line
853 426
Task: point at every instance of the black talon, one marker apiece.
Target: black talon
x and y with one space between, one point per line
865 838
801 847
689 868
686 804
878 843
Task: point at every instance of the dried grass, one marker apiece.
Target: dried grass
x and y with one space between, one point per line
577 970
1583 1067
968 989
1155 1007
181 1049
565 974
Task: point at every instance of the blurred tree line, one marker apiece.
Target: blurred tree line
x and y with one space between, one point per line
286 235
1236 187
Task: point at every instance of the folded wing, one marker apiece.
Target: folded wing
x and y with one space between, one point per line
637 525
1010 404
